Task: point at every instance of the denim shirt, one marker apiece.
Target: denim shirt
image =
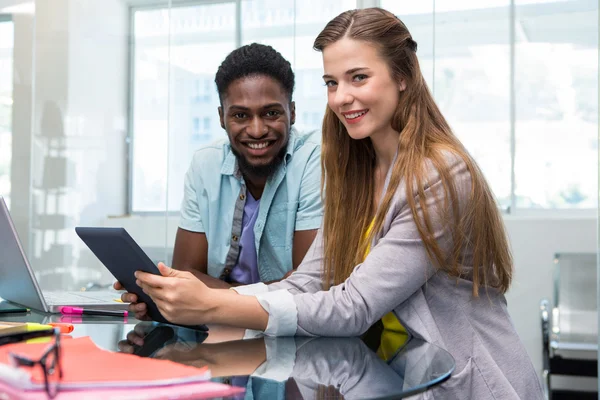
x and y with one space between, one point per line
215 194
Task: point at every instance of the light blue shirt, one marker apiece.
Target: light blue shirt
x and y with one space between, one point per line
214 198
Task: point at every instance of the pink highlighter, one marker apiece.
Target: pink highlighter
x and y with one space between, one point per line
66 310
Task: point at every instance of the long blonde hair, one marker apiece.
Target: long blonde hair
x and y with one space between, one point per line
348 168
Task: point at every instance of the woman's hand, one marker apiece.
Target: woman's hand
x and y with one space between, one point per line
180 297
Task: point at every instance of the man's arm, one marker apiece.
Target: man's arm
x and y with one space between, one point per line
191 254
302 242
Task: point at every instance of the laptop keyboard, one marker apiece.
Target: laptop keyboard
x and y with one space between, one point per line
80 298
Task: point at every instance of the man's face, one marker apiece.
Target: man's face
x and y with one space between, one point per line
257 115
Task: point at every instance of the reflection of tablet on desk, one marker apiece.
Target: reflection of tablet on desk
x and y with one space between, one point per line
122 256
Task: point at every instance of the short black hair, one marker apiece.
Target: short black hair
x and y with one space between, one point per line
251 60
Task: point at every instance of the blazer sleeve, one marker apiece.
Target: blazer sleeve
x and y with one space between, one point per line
396 267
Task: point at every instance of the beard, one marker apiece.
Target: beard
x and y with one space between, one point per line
263 170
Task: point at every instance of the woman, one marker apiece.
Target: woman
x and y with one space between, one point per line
411 229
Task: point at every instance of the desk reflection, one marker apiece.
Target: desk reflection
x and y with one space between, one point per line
296 367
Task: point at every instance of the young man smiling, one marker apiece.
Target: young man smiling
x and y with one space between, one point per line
252 204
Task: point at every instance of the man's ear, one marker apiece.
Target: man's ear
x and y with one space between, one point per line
402 85
221 120
292 112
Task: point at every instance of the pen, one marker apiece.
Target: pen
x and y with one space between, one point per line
81 311
14 311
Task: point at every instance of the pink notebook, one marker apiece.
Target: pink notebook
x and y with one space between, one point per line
203 390
85 366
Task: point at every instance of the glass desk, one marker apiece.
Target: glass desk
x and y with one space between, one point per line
273 368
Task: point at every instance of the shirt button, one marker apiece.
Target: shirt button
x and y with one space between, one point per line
234 238
242 196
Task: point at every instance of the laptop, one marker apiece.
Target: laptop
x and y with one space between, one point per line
18 283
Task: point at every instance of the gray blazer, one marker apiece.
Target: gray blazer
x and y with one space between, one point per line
491 361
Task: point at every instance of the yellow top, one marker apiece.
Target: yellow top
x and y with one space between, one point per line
394 335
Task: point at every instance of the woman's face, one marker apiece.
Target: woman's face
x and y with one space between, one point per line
360 87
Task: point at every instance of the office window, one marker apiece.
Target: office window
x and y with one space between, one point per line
471 81
173 78
174 96
465 59
553 129
6 101
556 83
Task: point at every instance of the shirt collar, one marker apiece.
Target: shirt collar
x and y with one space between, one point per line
230 166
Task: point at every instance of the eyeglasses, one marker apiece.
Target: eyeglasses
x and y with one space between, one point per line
50 363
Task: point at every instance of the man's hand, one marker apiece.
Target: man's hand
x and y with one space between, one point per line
180 297
209 281
140 310
135 337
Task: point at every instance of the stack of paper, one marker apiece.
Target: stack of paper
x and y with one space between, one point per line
91 369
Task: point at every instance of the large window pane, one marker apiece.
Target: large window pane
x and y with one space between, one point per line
465 59
182 120
556 83
6 101
472 81
201 37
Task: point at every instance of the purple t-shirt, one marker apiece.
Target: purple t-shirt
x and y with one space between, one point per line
246 269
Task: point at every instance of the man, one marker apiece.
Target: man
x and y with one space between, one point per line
251 206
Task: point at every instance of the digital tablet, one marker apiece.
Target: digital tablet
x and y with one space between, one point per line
122 256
